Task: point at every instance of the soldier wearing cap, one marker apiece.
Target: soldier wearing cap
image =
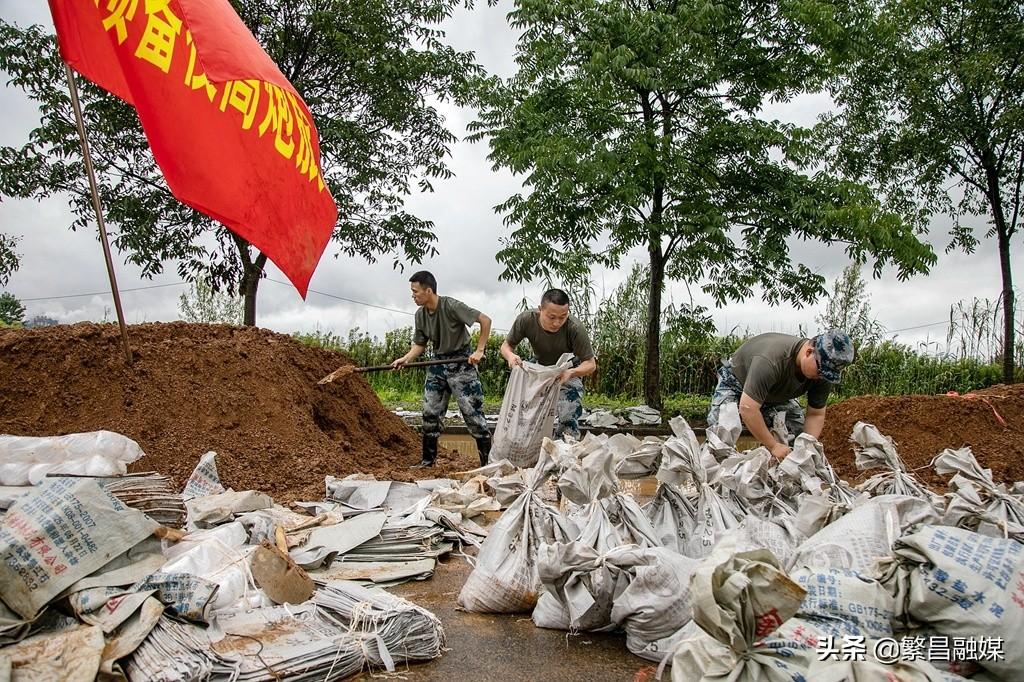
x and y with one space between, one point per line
770 371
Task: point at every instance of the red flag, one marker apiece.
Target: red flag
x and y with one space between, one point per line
230 133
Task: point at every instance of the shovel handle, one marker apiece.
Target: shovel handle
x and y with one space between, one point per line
423 363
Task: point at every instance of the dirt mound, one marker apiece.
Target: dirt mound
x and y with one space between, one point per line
925 425
249 394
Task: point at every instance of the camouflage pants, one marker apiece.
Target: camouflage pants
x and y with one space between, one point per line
459 379
729 390
569 408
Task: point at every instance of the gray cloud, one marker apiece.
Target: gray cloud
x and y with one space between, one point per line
58 262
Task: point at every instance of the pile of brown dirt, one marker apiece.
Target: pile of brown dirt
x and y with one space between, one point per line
249 394
924 425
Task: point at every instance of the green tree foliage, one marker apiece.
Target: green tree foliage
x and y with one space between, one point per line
636 127
202 304
933 116
370 71
849 308
8 258
11 310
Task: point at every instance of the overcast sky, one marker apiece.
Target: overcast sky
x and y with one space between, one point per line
57 264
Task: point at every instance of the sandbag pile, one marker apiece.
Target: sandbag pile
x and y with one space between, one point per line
90 586
767 571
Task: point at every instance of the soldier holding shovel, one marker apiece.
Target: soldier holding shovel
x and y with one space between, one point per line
442 321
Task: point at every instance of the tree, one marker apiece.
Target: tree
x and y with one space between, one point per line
202 304
933 116
11 309
849 308
635 126
369 70
8 258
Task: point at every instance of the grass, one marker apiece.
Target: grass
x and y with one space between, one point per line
689 406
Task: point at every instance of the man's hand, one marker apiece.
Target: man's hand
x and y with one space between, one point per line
399 363
476 357
565 376
513 360
780 451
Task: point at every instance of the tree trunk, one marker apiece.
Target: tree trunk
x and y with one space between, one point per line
1003 238
1008 308
652 364
250 283
252 272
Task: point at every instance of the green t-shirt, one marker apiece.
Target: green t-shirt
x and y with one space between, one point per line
766 368
548 346
446 326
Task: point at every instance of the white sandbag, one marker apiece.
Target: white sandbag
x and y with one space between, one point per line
204 479
53 449
628 517
588 479
58 534
657 603
741 603
528 411
681 460
845 603
643 590
978 503
635 458
727 431
806 468
779 536
874 450
577 578
206 512
216 561
962 584
505 579
748 475
672 514
586 488
854 542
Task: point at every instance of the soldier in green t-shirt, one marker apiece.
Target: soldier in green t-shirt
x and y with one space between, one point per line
551 332
770 371
442 321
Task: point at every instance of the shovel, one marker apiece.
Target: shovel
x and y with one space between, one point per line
352 369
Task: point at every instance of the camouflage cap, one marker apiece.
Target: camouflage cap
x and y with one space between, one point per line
834 351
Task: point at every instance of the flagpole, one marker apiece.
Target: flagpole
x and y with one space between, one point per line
99 212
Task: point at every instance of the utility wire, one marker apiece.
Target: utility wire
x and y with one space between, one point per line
920 326
347 300
101 293
369 305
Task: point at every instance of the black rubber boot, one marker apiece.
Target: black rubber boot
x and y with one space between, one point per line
429 453
484 446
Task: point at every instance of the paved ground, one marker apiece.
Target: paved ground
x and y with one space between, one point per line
509 647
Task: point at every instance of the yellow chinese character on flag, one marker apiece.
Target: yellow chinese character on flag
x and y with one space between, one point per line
244 96
304 159
279 119
120 13
162 27
196 80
